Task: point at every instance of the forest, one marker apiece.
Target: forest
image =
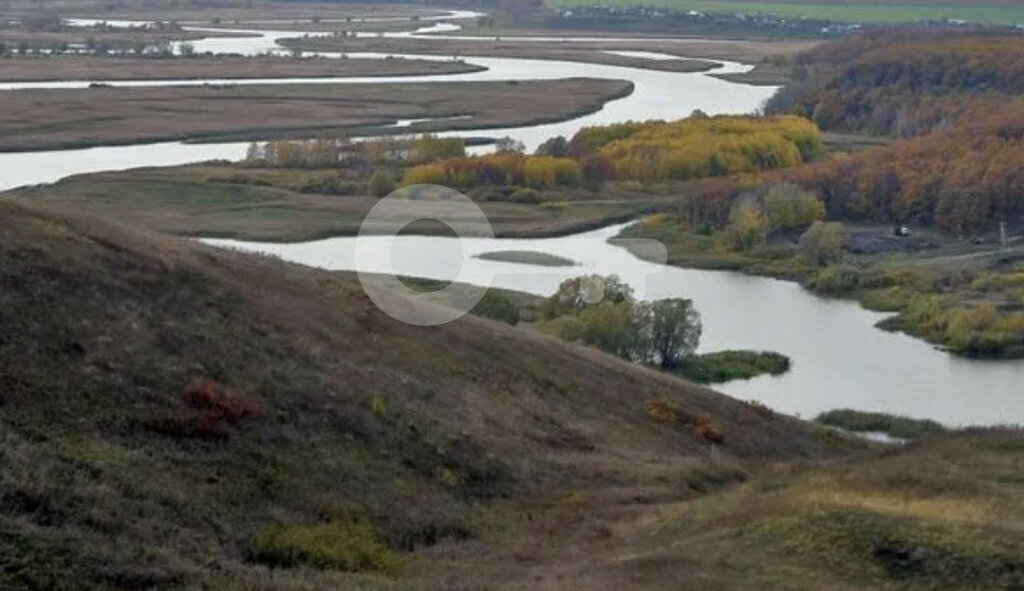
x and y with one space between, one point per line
646 152
956 101
903 84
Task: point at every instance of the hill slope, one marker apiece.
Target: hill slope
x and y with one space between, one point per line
174 415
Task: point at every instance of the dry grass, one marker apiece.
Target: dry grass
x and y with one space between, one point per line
476 412
697 55
265 204
50 119
21 69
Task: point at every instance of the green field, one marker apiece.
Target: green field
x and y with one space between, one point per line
864 11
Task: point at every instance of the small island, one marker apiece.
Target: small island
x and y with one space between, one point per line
726 366
527 257
895 426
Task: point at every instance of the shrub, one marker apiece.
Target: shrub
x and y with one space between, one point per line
662 412
822 243
790 207
748 227
707 430
381 183
350 546
210 414
760 408
836 280
497 306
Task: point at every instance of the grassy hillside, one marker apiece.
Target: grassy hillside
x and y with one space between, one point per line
1000 12
175 416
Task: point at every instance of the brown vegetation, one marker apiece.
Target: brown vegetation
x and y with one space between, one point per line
318 477
23 69
42 119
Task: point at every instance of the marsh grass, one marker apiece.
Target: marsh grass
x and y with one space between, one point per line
875 422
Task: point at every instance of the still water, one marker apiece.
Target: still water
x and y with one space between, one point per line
840 360
656 95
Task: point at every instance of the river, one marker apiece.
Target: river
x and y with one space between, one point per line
839 358
656 95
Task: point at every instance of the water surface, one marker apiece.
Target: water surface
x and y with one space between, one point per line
840 360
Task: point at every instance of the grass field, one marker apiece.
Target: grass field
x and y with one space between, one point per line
272 205
866 11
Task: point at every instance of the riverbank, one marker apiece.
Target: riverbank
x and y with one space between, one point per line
959 296
71 68
62 119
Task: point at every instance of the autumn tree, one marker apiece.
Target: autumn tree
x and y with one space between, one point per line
789 207
429 148
748 226
556 146
579 292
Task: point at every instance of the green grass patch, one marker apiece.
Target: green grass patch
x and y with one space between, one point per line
350 546
725 366
877 422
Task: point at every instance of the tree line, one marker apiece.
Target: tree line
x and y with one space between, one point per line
647 152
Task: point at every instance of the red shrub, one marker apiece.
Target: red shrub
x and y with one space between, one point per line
211 411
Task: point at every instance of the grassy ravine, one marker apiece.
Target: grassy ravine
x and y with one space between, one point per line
877 422
725 366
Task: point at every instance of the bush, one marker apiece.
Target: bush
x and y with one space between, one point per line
748 227
837 280
662 412
497 306
823 243
381 183
707 430
333 184
210 414
789 207
350 546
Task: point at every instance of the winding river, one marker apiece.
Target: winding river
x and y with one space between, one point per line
657 95
839 358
